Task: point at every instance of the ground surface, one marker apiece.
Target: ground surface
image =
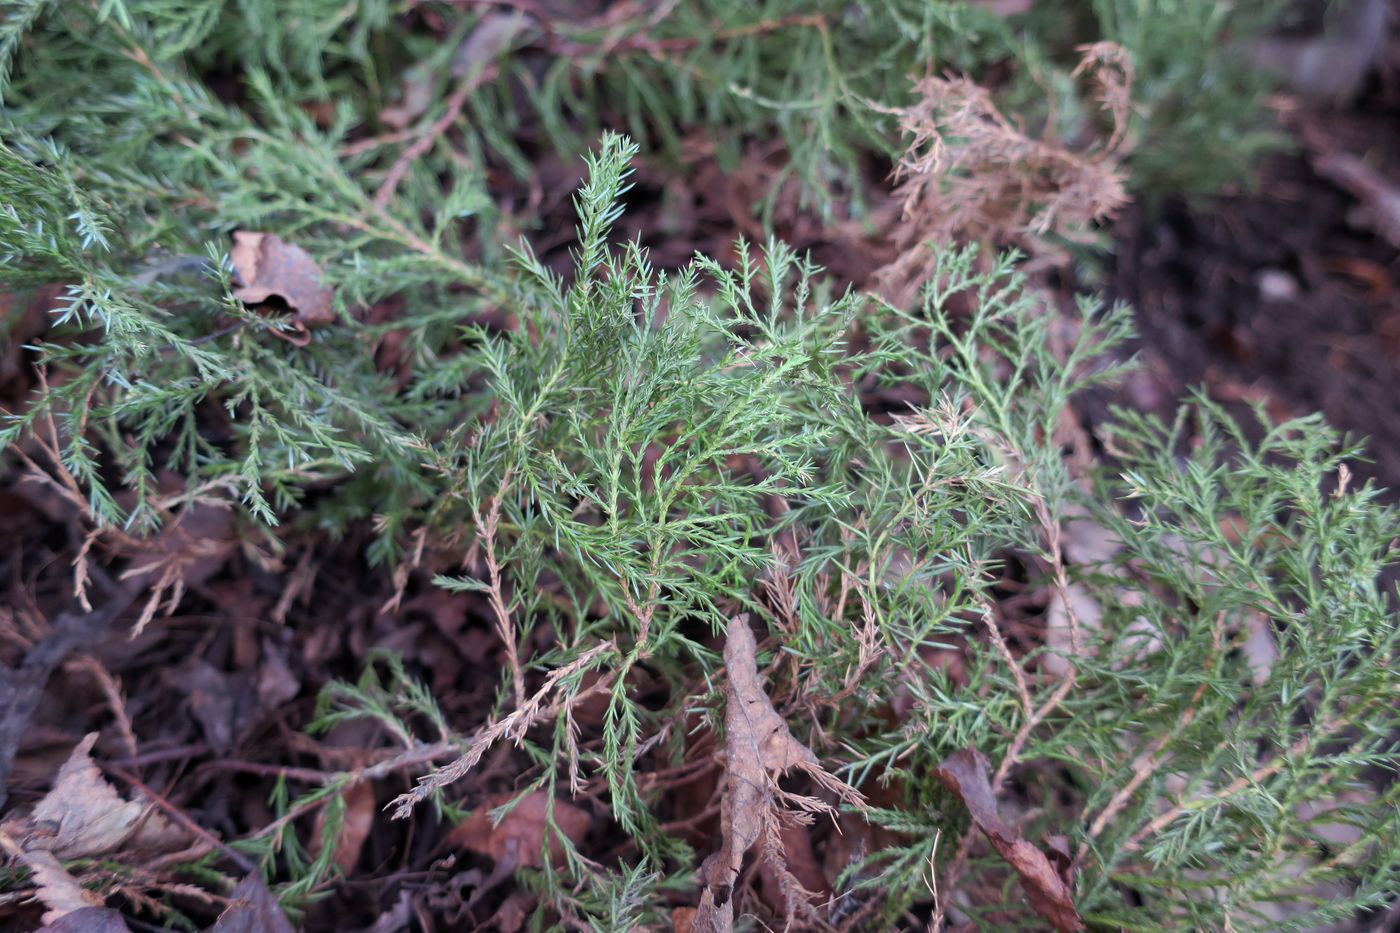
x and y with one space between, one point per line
1283 295
1280 295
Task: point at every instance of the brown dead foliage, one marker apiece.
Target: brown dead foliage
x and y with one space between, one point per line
253 909
965 774
970 174
269 267
519 839
82 816
89 920
758 748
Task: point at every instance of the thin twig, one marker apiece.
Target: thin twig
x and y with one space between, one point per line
1060 580
432 134
989 619
179 816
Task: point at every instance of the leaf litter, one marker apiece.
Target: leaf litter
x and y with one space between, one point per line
269 267
518 838
1048 886
81 816
758 749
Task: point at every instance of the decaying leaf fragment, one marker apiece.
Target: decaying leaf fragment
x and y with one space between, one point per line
84 815
269 267
519 839
757 749
59 891
252 909
964 773
88 920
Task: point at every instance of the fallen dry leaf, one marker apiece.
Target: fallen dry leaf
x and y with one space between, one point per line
269 267
252 909
492 37
757 748
224 704
88 920
354 830
519 839
59 891
964 773
683 919
84 815
22 687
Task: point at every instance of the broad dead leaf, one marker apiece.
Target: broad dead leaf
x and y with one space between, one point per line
964 773
252 909
354 830
269 267
84 815
88 920
493 36
519 839
683 919
59 891
758 747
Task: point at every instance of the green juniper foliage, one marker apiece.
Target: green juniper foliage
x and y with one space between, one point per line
646 454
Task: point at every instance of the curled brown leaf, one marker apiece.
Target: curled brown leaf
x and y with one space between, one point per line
758 747
520 837
965 774
269 267
83 815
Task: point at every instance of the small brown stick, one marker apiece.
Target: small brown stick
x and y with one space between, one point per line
159 755
432 134
308 775
179 816
1060 581
359 146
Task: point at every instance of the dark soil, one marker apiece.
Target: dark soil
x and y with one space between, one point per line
1280 295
